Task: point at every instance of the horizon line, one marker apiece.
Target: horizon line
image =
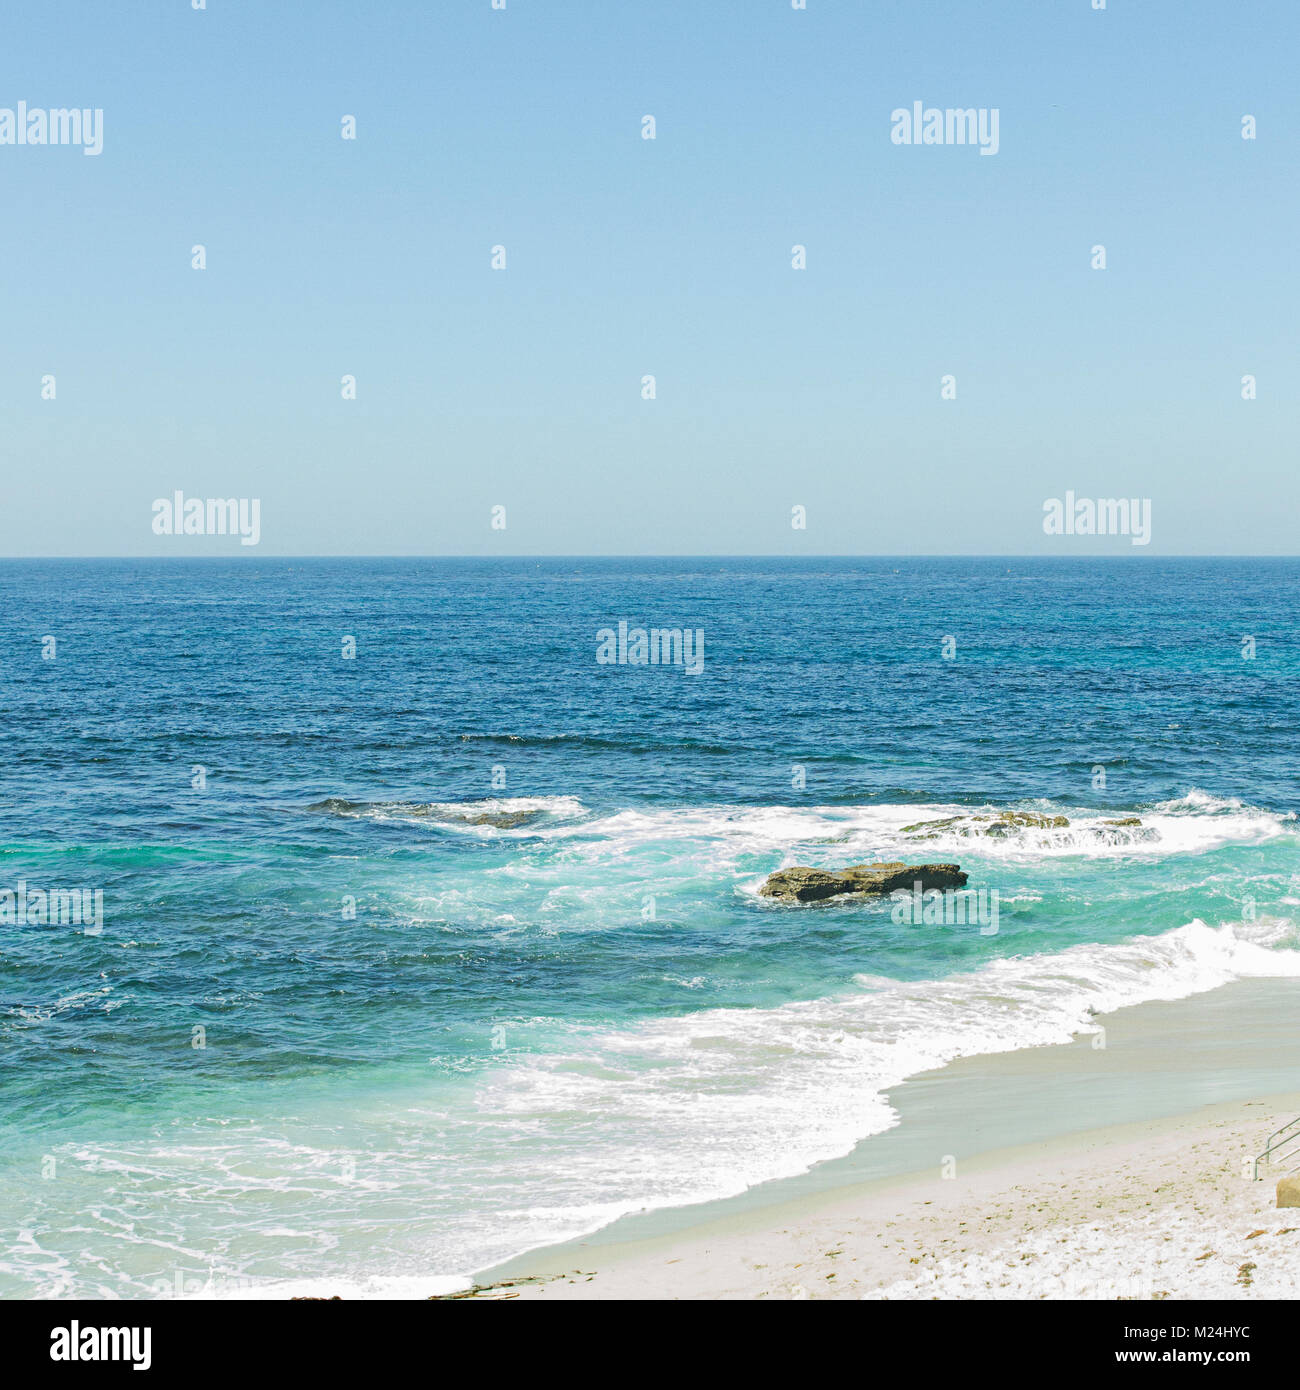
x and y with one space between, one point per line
243 555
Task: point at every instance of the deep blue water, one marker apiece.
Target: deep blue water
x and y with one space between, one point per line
527 1028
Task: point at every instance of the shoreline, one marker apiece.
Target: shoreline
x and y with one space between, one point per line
1069 1170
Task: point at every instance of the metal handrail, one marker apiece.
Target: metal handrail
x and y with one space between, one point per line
1283 1143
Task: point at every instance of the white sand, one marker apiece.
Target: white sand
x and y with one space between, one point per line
1159 1210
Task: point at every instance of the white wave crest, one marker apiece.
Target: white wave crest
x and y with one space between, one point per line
1193 824
699 1107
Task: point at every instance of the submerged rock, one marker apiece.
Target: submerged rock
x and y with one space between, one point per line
503 820
1125 820
803 885
931 829
337 806
448 813
1004 823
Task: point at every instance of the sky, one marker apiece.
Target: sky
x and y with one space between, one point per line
774 388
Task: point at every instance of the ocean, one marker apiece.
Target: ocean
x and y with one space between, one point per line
414 959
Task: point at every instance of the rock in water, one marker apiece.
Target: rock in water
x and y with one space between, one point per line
1004 823
804 885
503 820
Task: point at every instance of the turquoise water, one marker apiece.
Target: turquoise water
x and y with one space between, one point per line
528 1027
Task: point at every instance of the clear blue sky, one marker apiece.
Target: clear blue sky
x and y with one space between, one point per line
626 257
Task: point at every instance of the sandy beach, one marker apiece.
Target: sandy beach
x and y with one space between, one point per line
1077 1171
